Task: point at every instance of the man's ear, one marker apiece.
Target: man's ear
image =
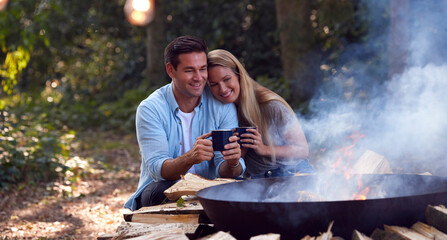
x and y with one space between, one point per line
170 70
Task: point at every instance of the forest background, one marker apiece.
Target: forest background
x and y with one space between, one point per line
73 73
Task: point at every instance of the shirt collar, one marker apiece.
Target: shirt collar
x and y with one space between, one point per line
173 103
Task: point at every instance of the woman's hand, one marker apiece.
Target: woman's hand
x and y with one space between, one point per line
254 141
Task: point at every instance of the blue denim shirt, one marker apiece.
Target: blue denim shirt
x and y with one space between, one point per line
159 134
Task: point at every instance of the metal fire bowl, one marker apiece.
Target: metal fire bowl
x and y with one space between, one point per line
270 205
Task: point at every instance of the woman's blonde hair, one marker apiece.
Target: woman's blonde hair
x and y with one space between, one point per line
252 95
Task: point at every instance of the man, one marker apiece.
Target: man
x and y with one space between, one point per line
172 116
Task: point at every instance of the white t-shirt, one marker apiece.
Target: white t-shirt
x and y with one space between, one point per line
187 142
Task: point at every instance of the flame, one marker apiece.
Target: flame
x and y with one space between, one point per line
361 195
345 154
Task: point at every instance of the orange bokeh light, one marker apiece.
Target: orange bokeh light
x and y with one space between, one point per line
139 12
3 4
141 5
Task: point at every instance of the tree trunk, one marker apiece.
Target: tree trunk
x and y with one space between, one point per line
155 44
300 63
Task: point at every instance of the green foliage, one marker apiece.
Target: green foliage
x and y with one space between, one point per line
15 62
180 202
36 145
33 149
246 28
352 52
279 86
22 27
335 24
121 113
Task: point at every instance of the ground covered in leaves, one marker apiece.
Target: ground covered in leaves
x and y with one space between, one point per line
84 208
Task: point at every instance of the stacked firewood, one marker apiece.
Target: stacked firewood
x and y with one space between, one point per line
435 228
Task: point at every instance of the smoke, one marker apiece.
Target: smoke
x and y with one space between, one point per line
404 117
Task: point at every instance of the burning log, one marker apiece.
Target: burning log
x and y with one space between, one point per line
406 233
371 162
356 235
190 184
436 216
429 231
380 234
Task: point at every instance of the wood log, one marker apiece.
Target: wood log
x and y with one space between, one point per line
219 236
436 216
429 231
379 234
191 183
371 162
270 236
307 237
166 218
191 213
171 234
356 235
130 230
138 227
323 236
193 206
406 233
328 234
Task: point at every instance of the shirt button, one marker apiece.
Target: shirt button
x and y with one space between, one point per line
268 173
179 122
181 143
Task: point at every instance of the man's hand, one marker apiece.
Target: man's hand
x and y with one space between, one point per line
232 151
231 167
202 150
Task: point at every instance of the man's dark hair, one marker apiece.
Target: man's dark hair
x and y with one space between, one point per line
183 44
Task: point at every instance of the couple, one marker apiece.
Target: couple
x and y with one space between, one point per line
169 120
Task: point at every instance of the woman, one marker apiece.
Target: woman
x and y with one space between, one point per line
278 146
